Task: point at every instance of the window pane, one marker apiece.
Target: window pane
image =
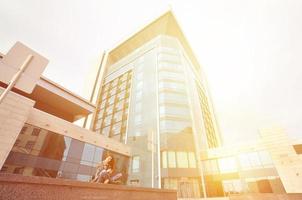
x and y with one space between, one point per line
265 158
182 160
192 160
171 159
135 164
107 120
88 154
227 165
254 159
164 159
244 161
116 128
98 154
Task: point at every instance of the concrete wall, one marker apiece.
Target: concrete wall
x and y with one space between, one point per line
14 111
22 187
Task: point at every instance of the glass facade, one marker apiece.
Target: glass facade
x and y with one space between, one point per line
247 172
112 107
38 152
211 134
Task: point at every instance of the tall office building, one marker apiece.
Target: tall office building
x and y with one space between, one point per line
154 99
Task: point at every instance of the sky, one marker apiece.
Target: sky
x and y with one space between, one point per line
250 51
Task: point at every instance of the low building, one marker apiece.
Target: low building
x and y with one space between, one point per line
38 137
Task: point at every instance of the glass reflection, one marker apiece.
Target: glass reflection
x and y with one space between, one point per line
57 156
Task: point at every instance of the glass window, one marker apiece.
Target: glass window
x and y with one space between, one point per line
104 95
114 82
111 99
113 91
192 160
173 110
265 158
138 95
139 85
124 77
98 124
116 128
170 75
138 119
227 165
173 97
164 159
123 86
82 177
103 104
182 160
30 145
121 95
135 164
35 131
107 120
88 154
101 113
106 87
174 126
139 76
171 159
138 107
254 159
119 105
98 154
171 85
244 161
106 131
118 116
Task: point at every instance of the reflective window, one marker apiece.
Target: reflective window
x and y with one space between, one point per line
88 154
138 119
36 131
174 126
121 95
135 163
118 116
106 131
254 159
244 161
138 107
107 120
138 95
164 159
182 160
58 156
227 165
265 158
192 160
119 105
173 110
171 159
111 99
116 128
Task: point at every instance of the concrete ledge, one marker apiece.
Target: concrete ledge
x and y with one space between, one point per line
17 187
